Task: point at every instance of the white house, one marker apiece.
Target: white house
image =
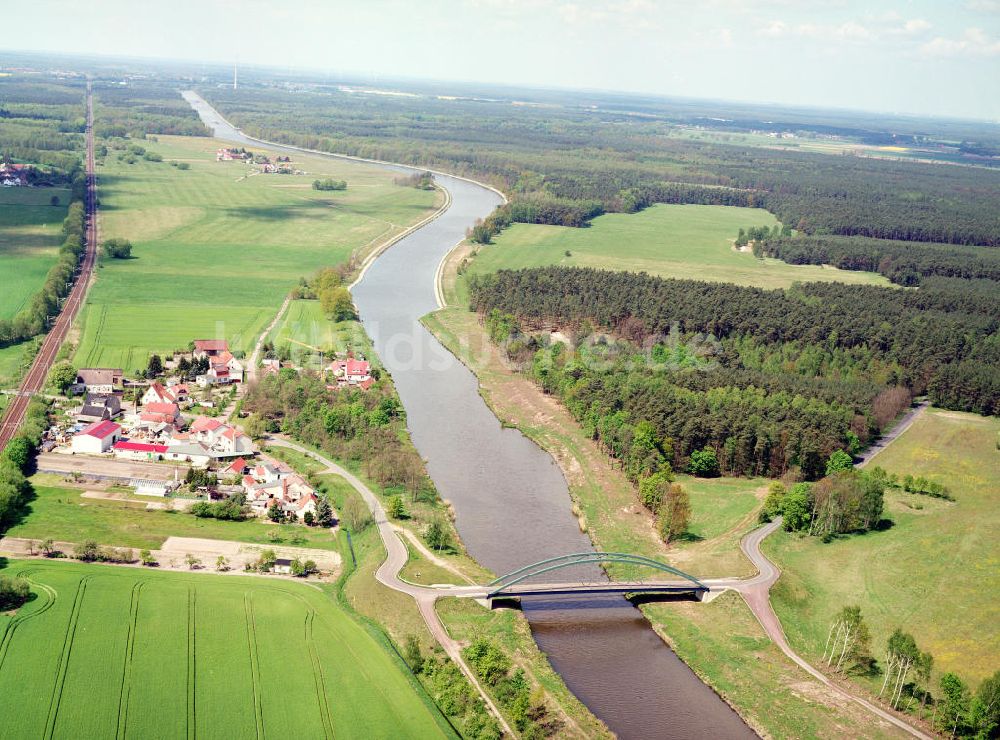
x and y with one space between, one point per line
97 438
129 450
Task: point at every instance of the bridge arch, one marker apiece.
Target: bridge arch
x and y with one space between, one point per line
500 584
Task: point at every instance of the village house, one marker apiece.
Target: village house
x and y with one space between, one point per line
353 372
209 348
237 467
99 406
97 438
158 393
222 369
98 380
221 440
14 175
290 491
228 154
159 412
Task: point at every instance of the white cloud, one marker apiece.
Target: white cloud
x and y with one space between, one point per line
983 6
853 31
974 42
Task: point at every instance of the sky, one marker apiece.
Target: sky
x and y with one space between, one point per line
900 56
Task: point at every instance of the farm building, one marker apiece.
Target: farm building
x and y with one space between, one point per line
209 348
128 450
97 438
193 452
283 566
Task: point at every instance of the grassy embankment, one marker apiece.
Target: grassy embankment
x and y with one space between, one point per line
397 613
721 641
62 513
935 573
106 651
216 251
30 236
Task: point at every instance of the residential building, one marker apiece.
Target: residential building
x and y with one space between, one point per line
158 393
100 406
98 380
97 438
351 372
161 413
209 348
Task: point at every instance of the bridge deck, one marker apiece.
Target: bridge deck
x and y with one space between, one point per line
608 587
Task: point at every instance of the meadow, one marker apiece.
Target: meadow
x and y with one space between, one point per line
63 514
216 249
30 235
304 331
679 241
124 652
935 573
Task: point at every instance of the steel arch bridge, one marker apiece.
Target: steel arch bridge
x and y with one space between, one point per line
513 584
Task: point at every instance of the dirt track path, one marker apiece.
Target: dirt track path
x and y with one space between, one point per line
898 428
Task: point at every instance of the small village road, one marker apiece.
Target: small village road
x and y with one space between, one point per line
388 572
756 592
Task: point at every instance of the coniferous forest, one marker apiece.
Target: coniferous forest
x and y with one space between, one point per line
769 379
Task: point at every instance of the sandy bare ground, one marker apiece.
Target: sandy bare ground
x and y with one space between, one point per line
53 462
176 504
173 553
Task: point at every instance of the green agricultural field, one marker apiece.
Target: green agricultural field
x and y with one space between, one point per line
30 236
63 514
216 250
123 652
304 331
680 241
935 573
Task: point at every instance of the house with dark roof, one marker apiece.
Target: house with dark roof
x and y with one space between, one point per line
100 406
98 380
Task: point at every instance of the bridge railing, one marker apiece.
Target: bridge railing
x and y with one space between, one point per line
498 585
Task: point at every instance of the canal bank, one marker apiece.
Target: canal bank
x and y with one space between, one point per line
511 500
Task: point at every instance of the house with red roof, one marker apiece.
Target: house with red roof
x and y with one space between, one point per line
129 450
161 413
97 438
351 372
159 393
209 348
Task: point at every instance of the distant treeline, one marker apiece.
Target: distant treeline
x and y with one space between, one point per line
556 156
144 107
836 344
904 263
41 122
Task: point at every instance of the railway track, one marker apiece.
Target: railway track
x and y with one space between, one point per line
34 380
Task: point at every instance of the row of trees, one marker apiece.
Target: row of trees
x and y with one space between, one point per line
329 184
33 319
17 461
906 678
904 263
